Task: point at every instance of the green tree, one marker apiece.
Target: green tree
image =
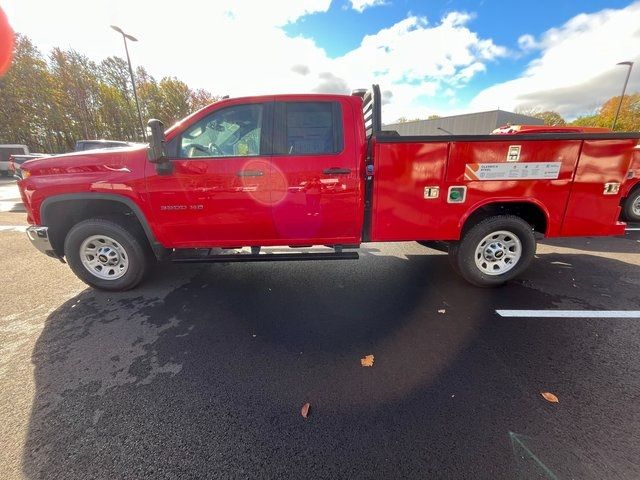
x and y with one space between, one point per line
549 117
628 119
26 92
50 103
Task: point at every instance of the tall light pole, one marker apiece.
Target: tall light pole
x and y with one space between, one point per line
624 88
126 37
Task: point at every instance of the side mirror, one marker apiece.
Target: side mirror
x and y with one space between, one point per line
155 133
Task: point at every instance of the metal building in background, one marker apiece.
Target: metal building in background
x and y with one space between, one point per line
481 123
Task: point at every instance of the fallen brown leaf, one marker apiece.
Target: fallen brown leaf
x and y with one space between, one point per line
549 397
305 410
367 361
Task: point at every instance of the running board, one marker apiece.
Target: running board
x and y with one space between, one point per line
268 257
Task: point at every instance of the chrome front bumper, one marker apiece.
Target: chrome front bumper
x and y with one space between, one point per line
39 237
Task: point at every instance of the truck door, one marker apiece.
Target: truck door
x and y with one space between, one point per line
315 170
218 193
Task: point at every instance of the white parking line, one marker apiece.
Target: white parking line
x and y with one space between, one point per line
13 228
570 313
11 206
632 229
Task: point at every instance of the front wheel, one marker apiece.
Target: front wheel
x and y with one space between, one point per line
105 255
632 206
494 251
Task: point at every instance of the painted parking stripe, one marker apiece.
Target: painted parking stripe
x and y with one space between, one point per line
13 228
11 206
633 229
570 313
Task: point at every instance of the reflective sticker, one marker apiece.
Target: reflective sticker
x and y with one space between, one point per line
517 171
513 155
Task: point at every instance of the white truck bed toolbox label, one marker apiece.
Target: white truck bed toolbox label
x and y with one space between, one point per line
512 171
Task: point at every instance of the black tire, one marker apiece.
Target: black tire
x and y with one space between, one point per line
134 250
463 253
453 256
632 206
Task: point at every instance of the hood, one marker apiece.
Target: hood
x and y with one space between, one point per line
106 160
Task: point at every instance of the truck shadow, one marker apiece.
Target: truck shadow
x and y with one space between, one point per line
202 374
628 243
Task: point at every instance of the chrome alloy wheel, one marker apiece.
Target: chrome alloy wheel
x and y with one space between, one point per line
103 257
635 206
498 252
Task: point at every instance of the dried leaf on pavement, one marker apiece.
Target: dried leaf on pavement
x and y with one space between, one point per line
305 410
367 361
549 397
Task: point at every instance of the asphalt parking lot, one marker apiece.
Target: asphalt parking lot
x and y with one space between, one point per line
202 372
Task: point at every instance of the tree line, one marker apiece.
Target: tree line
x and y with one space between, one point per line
628 118
48 103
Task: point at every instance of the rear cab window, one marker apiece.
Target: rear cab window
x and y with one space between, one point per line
308 128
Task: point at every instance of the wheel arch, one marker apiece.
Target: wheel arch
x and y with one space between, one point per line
530 210
75 207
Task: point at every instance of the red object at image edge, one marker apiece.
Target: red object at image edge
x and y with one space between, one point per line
6 43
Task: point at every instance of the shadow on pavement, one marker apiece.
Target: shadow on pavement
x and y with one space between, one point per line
202 373
599 244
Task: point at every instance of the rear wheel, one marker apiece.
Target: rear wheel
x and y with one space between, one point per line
494 251
632 206
105 255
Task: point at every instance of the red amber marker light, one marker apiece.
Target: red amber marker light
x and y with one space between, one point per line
6 43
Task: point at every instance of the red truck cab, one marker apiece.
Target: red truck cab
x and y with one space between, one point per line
302 170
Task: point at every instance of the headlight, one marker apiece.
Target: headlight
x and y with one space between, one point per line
25 174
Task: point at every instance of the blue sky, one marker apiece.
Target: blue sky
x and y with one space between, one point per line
340 29
429 56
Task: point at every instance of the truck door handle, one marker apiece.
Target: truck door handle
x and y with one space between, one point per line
337 171
250 173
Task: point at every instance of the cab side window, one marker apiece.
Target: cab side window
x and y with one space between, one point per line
229 132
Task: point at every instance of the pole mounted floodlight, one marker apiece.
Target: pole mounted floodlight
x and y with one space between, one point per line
126 37
624 88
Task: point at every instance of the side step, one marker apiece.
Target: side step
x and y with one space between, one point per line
268 257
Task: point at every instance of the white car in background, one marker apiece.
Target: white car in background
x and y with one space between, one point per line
6 150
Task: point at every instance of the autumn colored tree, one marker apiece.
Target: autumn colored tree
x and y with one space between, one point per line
549 117
25 91
628 119
50 103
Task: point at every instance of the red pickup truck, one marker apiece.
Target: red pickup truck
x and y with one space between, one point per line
308 170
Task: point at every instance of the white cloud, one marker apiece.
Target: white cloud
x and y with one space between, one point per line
576 67
361 5
415 60
238 47
527 42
